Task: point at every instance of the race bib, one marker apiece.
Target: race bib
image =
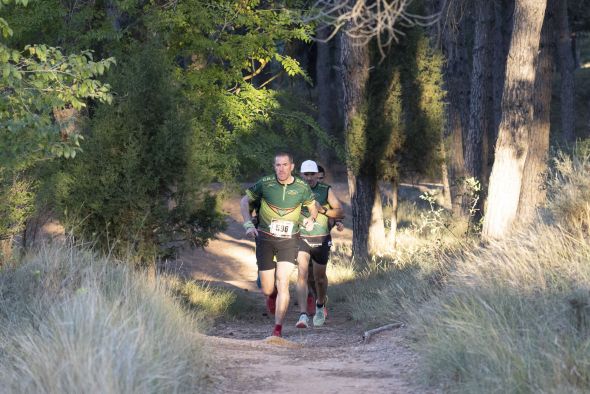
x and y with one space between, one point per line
281 228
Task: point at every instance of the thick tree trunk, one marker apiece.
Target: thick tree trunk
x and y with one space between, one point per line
325 96
532 193
392 236
566 69
517 115
354 61
457 85
479 113
362 199
502 32
447 199
377 228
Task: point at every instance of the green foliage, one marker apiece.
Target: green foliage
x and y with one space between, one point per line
137 160
192 103
436 219
357 147
16 204
228 52
39 79
423 104
399 130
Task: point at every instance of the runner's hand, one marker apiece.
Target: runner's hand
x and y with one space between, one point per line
340 226
252 232
250 229
308 224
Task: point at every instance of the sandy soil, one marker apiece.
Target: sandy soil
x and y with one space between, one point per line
328 359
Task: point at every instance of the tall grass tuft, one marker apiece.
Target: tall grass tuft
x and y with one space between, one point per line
514 316
387 287
570 190
71 321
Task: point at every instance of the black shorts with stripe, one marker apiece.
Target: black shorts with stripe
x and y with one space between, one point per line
269 247
317 247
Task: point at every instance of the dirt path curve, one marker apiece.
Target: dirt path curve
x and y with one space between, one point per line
328 359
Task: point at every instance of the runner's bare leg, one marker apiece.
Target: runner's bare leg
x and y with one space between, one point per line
321 282
267 280
302 267
284 269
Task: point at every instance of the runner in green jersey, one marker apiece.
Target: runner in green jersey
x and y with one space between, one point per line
281 197
315 245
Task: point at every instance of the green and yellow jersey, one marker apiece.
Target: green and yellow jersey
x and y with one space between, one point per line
280 205
321 226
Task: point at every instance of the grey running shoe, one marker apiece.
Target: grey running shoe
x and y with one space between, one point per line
303 321
320 316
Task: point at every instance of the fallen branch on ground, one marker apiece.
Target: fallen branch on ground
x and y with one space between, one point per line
368 334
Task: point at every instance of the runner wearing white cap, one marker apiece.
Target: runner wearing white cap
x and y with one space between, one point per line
315 245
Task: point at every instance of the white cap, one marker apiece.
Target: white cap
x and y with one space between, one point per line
309 166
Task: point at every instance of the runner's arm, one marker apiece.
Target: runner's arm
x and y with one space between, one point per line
245 210
335 210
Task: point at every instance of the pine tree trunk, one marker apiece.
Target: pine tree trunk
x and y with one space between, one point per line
517 115
566 69
532 193
377 227
362 198
325 96
447 199
501 32
479 113
392 236
354 61
457 120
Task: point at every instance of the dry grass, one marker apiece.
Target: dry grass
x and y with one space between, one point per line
514 317
511 316
73 322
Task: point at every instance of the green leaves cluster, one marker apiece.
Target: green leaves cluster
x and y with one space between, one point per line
34 82
230 53
193 98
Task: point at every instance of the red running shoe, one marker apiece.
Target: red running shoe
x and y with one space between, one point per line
277 331
271 303
310 305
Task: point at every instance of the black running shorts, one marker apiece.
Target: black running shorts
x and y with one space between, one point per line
267 247
319 252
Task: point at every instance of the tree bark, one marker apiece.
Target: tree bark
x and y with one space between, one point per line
457 85
532 193
566 69
517 115
354 61
447 199
479 113
377 227
325 101
392 236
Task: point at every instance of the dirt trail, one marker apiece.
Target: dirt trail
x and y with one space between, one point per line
328 359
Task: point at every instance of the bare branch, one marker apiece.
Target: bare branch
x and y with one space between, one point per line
364 20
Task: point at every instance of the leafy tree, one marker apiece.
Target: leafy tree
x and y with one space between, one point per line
35 80
230 52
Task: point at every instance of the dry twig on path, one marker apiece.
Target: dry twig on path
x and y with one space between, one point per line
368 334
